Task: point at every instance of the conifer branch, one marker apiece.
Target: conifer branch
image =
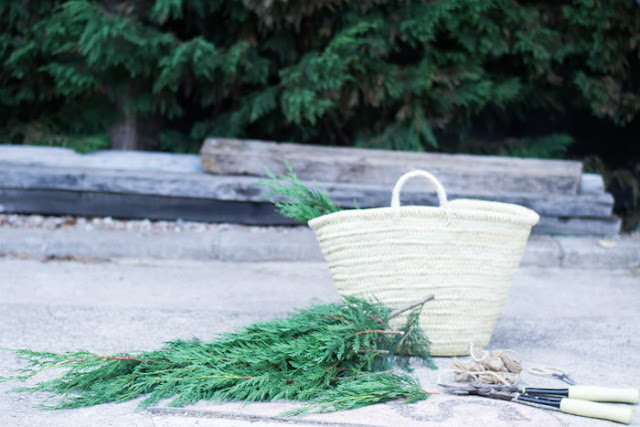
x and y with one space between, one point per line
404 338
380 331
318 355
379 320
299 201
410 306
121 358
370 350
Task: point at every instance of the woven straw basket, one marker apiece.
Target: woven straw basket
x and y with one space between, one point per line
465 251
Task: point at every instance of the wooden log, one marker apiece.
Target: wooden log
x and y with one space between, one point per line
83 203
166 186
591 183
336 164
37 156
581 205
195 185
245 189
578 226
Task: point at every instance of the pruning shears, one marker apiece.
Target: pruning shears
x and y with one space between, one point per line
547 371
576 400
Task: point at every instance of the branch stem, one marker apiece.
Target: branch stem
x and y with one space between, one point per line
380 331
120 358
371 350
409 307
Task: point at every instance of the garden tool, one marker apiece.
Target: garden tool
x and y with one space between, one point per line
577 400
547 371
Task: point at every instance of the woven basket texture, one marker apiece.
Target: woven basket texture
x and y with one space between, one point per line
466 252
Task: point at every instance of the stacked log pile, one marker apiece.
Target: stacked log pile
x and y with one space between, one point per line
220 184
569 201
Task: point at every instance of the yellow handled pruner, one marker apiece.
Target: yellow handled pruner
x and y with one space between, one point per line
577 400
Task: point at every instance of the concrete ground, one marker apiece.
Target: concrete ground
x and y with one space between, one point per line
581 315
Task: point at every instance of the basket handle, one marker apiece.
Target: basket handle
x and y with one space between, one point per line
395 196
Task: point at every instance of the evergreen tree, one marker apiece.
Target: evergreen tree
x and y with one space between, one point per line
376 73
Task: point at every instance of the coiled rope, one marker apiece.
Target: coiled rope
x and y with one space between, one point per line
495 367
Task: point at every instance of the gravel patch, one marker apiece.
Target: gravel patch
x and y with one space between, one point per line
71 223
136 225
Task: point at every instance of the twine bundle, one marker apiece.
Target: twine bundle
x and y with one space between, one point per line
495 367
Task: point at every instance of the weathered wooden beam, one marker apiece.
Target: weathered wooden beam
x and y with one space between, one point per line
83 203
37 156
591 183
368 166
578 226
245 189
581 205
167 186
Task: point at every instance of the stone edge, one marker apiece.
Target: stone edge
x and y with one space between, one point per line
279 244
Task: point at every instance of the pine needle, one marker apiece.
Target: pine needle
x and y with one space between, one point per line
298 201
315 355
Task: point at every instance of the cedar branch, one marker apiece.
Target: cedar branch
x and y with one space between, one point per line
120 358
380 331
409 307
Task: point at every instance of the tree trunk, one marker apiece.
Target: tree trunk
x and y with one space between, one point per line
133 132
123 134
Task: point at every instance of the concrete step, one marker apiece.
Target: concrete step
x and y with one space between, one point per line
268 244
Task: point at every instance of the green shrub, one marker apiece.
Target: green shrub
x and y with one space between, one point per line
375 73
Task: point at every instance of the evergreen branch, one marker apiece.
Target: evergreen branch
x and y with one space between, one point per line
380 331
300 202
394 313
369 350
121 358
366 390
332 356
404 338
379 320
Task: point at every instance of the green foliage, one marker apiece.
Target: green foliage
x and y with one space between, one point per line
624 184
549 147
355 393
300 202
42 133
553 146
334 356
384 73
